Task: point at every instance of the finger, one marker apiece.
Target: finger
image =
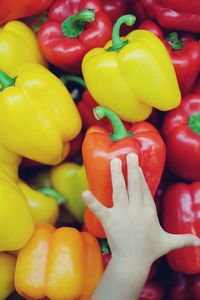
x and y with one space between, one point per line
94 205
147 197
120 197
178 241
134 181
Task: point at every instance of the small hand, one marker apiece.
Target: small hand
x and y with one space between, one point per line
131 225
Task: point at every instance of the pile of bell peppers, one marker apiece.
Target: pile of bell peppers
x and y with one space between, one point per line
82 82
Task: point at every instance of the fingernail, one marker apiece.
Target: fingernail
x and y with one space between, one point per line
196 242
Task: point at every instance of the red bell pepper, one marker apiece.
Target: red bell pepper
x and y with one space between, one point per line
184 52
181 15
196 87
181 129
17 9
99 147
181 214
152 291
115 9
74 27
181 288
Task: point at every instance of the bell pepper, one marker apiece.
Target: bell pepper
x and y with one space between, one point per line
181 215
70 180
86 104
48 117
151 291
44 209
99 147
16 225
137 58
74 27
18 46
115 9
58 264
185 55
7 267
181 130
17 9
181 287
180 15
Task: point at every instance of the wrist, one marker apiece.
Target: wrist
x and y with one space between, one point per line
127 266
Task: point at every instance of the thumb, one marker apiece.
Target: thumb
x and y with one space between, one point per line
177 241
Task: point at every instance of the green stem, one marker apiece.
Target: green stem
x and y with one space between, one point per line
52 193
194 123
119 131
104 246
75 24
72 78
174 41
117 43
6 81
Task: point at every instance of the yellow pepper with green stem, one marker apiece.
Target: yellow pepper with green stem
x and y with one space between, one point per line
40 115
131 75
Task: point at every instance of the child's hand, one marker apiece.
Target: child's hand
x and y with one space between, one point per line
131 225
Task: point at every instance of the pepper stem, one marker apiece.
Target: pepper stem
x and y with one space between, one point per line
6 81
174 41
72 78
119 131
52 193
117 43
74 25
194 123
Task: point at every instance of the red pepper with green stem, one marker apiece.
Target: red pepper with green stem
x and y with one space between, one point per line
184 51
183 15
100 147
181 214
181 129
74 27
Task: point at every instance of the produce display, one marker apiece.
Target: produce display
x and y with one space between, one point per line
83 82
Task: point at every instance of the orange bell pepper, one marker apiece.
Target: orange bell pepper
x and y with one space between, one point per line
58 264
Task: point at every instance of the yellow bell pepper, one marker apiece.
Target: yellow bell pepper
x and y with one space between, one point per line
38 116
44 209
70 180
18 46
9 162
7 268
16 224
58 264
130 75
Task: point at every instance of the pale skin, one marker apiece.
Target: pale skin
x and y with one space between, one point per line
134 233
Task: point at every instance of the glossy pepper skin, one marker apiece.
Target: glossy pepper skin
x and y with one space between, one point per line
137 58
7 268
183 15
185 55
99 147
17 9
58 264
48 117
181 287
70 180
181 215
151 291
115 9
182 135
74 28
18 46
16 223
44 209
